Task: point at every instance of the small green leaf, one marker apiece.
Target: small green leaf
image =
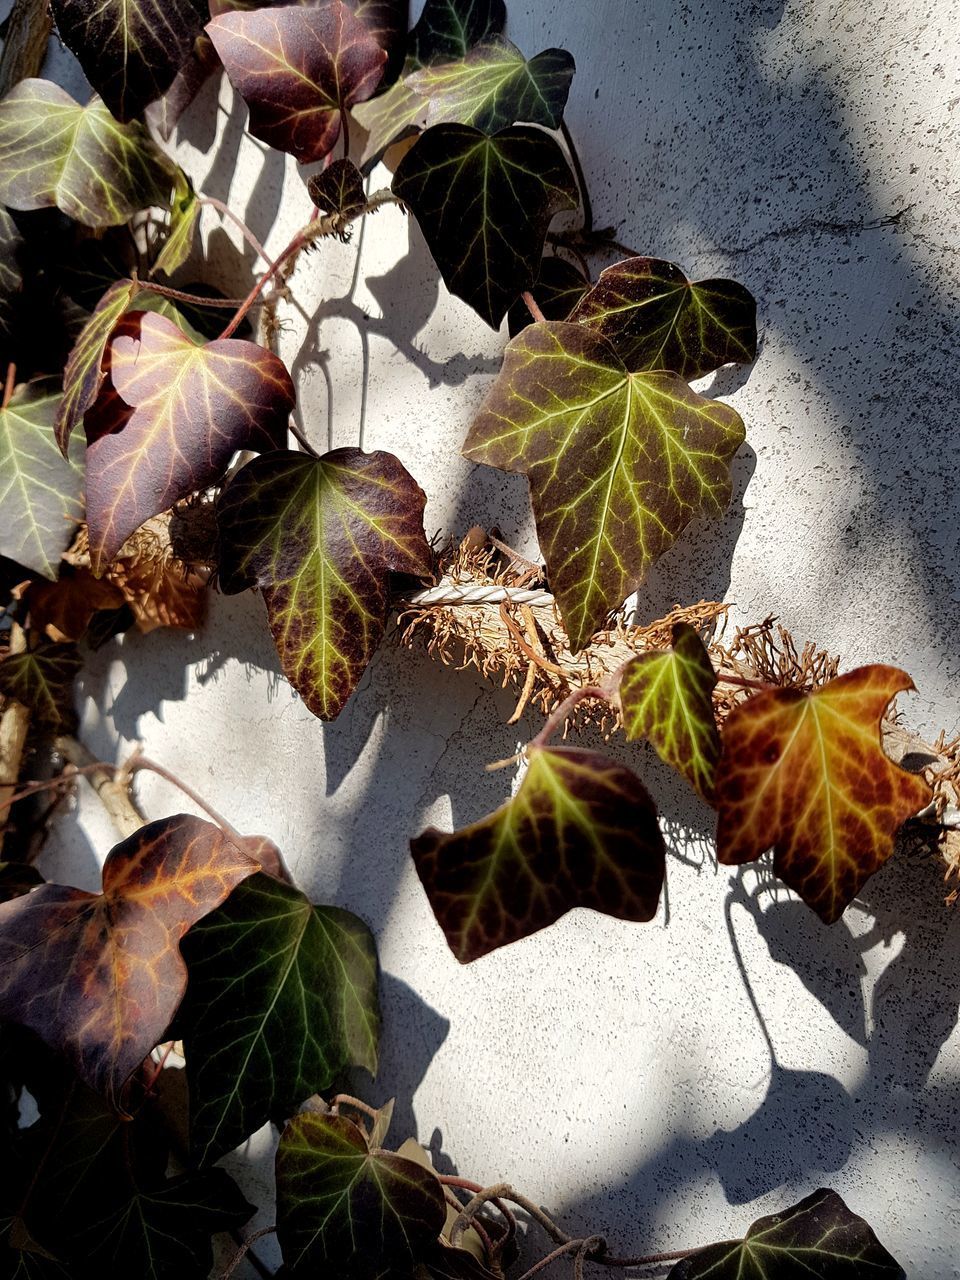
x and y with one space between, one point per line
281 999
79 159
494 86
130 50
818 1239
184 216
484 205
580 832
318 537
343 1206
558 288
42 680
83 375
657 319
298 69
618 462
667 698
448 29
41 492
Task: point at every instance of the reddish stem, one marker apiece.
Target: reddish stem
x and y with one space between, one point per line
9 384
559 717
744 682
179 296
532 305
245 231
299 241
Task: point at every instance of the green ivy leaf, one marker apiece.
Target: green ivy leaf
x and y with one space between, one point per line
484 205
11 278
281 999
338 189
494 85
83 375
41 492
79 159
184 217
42 680
618 462
580 832
318 538
558 288
448 29
343 1206
164 1229
130 50
817 1239
298 69
667 698
657 319
169 419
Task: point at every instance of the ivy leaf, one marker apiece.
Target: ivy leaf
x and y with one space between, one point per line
484 205
817 1239
41 679
318 538
338 189
668 699
282 998
806 773
184 217
494 85
79 159
11 278
99 976
41 492
558 288
657 319
130 50
341 1205
580 832
393 115
178 413
64 609
164 1229
83 375
298 69
448 29
618 462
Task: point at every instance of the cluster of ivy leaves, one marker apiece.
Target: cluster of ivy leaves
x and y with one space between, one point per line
124 397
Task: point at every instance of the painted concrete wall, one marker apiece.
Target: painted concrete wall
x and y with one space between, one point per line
661 1084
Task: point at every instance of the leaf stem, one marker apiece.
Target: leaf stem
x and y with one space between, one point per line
581 180
302 440
745 682
9 384
239 1256
532 305
195 299
345 130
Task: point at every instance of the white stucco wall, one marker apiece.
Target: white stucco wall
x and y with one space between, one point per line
661 1084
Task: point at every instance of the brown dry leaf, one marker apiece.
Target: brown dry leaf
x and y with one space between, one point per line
62 610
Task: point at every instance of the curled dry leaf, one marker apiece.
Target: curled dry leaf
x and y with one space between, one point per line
99 976
805 773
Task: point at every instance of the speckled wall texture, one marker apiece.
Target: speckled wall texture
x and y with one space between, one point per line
661 1084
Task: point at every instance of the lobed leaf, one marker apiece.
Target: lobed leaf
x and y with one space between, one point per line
318 537
130 50
817 1239
298 69
494 85
448 29
282 998
805 772
79 159
388 118
667 698
41 679
338 189
658 319
176 413
580 832
343 1206
84 374
618 462
41 492
99 976
484 205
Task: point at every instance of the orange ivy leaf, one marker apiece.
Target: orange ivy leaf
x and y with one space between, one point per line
99 976
806 774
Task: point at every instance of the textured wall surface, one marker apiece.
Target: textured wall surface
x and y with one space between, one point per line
661 1084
